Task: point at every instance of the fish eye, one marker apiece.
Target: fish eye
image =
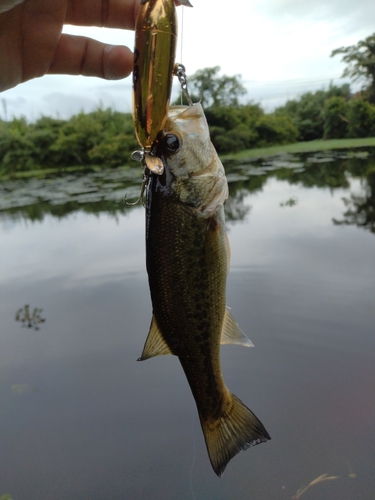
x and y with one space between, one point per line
171 142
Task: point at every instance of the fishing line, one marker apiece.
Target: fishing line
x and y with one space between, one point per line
182 38
194 457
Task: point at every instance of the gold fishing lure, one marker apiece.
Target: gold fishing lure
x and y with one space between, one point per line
154 57
154 62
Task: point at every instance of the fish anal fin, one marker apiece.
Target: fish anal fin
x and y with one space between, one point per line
232 333
155 344
236 430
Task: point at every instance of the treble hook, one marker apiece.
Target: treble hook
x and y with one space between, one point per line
146 176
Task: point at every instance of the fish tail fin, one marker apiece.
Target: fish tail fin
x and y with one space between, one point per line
237 429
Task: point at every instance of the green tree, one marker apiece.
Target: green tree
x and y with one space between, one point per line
16 148
104 137
335 112
76 137
360 60
117 139
361 116
233 128
273 129
213 90
245 127
43 134
307 112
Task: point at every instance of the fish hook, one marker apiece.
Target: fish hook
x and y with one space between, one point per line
146 176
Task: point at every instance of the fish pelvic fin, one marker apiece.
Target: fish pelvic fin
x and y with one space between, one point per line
237 429
232 333
155 344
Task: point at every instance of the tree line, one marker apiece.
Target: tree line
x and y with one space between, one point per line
106 137
103 137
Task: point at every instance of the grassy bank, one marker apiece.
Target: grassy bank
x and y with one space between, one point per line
302 147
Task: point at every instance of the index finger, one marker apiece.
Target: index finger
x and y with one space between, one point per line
106 13
103 13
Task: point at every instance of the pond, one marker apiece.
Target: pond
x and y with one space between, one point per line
81 419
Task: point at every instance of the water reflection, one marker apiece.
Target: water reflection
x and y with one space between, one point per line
92 193
30 319
80 418
235 207
104 191
361 207
289 203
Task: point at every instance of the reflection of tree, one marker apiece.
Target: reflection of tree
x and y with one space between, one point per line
30 319
320 174
37 211
240 186
361 208
235 208
103 192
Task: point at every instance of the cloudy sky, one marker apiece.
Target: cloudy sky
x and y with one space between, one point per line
280 47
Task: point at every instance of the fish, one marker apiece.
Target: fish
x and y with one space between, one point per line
187 258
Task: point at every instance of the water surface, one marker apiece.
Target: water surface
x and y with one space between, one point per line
81 419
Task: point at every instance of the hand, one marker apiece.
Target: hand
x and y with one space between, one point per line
32 43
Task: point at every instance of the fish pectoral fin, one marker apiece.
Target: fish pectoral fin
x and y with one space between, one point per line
232 333
155 344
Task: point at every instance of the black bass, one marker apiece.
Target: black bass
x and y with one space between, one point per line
187 264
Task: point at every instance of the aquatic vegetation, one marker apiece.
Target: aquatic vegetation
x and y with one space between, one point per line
320 479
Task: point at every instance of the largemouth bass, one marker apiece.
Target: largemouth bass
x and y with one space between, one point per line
187 263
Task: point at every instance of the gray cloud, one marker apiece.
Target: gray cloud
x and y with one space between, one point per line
354 15
62 97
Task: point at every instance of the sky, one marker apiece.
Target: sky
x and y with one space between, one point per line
281 49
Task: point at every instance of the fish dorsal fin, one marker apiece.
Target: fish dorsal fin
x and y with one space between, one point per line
155 345
232 333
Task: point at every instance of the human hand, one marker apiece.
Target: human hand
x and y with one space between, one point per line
32 43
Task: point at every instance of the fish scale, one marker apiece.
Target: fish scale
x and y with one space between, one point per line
176 293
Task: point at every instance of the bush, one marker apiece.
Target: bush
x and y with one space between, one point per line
103 136
307 112
273 129
361 117
334 114
233 128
